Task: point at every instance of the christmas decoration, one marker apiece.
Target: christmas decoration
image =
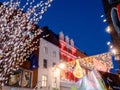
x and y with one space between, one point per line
78 72
18 33
101 62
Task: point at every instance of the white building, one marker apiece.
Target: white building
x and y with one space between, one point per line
48 76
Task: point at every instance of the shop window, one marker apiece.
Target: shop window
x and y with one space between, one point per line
44 81
21 78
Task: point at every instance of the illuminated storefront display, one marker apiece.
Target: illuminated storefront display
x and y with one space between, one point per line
21 78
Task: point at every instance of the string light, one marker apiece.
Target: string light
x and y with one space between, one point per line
18 31
108 29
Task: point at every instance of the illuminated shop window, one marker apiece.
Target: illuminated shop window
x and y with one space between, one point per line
44 81
21 78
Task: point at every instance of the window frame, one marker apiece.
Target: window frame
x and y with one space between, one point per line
44 81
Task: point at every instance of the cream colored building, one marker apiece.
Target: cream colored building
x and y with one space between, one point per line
48 76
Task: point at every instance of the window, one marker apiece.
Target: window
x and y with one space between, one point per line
46 50
54 54
44 80
45 63
21 78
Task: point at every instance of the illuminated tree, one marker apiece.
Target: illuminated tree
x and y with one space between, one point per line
18 29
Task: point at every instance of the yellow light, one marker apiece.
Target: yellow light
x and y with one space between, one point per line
62 66
108 29
111 46
57 72
114 51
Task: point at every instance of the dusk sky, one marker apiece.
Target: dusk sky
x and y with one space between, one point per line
81 21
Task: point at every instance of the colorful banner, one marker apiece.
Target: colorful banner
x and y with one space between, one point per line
99 65
87 62
106 58
101 62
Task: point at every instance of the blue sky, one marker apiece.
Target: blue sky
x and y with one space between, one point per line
81 21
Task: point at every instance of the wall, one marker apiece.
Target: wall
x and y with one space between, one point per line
50 59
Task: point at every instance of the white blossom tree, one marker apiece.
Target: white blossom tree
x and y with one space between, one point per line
18 27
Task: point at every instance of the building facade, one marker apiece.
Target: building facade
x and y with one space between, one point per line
43 64
48 57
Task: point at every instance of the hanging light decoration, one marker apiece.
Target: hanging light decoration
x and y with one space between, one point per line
18 32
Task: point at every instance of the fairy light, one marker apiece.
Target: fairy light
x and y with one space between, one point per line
108 29
17 33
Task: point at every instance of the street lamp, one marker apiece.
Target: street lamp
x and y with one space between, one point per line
62 66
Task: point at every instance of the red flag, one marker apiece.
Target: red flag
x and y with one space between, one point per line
118 11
